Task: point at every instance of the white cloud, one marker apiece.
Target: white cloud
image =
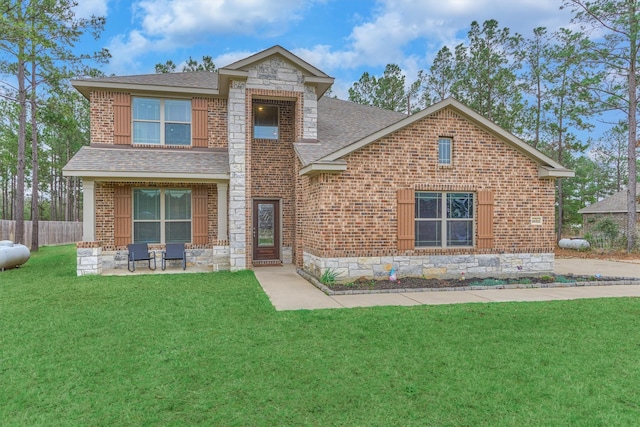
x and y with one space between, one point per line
189 19
87 8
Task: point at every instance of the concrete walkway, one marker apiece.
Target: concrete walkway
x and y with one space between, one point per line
288 291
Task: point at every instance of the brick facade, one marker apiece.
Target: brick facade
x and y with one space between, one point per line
354 213
102 120
348 219
105 226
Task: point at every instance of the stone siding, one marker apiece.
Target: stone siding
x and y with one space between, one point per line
434 266
93 260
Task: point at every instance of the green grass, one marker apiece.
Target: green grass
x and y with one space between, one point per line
209 349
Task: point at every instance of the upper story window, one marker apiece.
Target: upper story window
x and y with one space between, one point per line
161 121
265 121
443 219
444 151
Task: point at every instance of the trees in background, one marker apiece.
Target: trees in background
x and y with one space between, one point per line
37 57
547 89
615 55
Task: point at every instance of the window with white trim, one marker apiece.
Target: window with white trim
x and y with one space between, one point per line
161 121
265 121
444 219
444 151
161 215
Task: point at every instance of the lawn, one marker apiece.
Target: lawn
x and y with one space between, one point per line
209 349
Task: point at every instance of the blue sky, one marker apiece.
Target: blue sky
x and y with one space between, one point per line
343 38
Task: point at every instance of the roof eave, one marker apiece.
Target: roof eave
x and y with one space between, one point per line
152 176
86 86
551 172
324 167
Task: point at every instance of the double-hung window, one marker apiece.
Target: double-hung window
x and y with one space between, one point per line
265 121
161 215
444 151
161 121
443 219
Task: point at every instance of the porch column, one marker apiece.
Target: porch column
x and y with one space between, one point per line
237 128
88 210
223 210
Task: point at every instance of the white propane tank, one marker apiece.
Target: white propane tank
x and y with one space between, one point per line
573 244
12 255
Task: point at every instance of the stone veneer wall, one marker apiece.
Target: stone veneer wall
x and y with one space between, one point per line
277 80
91 259
430 266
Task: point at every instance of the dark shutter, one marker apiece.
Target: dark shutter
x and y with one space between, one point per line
485 220
200 217
122 118
406 219
122 216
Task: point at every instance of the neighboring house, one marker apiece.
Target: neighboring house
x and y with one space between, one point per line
613 207
252 165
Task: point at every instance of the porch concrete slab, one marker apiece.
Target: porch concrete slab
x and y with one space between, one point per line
371 300
287 290
591 267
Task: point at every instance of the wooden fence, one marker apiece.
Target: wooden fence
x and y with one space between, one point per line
49 232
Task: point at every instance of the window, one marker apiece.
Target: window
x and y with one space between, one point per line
444 151
161 121
443 219
161 215
265 121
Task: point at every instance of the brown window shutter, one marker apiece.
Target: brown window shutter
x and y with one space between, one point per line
200 217
122 216
122 118
199 122
485 219
406 219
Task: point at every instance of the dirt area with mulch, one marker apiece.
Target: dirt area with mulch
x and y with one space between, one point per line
422 283
364 284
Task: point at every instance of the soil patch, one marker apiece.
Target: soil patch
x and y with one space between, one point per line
364 284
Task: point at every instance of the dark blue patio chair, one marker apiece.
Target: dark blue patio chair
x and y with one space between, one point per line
174 251
140 252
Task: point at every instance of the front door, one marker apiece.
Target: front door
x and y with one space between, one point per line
266 230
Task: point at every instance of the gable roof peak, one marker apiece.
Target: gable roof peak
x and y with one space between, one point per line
245 63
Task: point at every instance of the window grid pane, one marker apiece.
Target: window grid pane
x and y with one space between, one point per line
166 222
157 121
444 151
435 219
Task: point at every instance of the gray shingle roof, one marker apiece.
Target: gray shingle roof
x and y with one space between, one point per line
122 162
612 204
191 80
341 123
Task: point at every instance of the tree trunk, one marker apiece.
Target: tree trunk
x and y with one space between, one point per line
22 130
632 142
35 210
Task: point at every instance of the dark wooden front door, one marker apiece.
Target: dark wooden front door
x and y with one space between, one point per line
266 230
